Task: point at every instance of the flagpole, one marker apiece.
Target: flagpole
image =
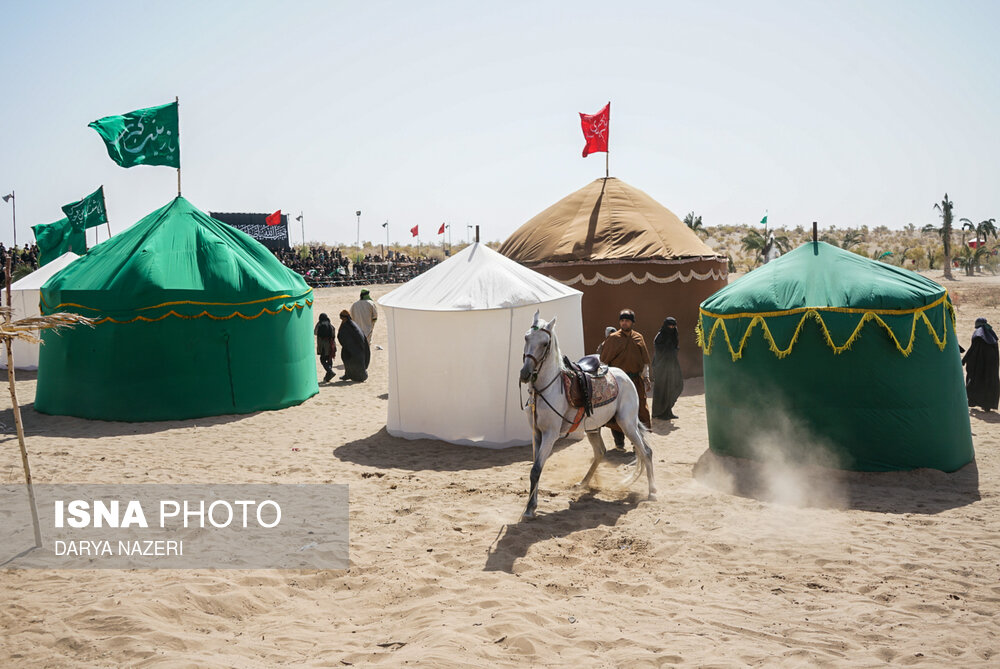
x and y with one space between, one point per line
177 100
13 212
607 162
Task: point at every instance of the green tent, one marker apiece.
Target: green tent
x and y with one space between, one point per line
826 357
192 318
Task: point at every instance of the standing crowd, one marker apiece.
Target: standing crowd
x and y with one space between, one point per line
23 256
320 266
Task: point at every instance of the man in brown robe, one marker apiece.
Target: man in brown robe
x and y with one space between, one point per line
626 349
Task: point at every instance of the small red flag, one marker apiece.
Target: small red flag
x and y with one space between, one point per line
595 130
413 230
273 219
441 229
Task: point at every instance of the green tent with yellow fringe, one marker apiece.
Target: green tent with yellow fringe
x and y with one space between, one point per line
192 318
825 357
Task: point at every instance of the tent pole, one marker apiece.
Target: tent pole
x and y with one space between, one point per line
177 99
17 413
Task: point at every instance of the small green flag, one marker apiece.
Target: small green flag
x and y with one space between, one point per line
88 212
763 221
55 239
143 137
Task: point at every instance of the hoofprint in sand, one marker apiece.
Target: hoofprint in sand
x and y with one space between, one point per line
804 570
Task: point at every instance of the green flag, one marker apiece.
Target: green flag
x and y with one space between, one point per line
763 221
143 137
55 239
88 212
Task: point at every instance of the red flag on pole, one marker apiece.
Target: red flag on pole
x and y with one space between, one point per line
595 130
441 229
414 229
273 219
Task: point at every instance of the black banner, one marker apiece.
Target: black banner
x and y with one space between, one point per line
271 236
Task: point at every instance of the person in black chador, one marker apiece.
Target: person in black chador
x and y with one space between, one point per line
326 345
354 349
982 368
667 380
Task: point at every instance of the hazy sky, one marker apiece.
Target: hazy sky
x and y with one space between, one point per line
419 113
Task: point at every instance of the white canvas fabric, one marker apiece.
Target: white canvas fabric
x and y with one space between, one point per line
456 337
24 295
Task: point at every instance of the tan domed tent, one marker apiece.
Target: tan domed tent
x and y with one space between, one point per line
622 248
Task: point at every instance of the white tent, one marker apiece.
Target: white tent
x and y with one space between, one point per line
24 295
456 337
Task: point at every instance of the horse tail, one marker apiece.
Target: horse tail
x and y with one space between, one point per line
640 458
640 465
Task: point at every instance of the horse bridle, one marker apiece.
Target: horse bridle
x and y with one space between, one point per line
538 361
540 392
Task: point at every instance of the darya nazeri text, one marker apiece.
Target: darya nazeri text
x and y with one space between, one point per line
101 548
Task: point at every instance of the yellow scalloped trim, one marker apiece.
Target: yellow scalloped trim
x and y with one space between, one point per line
919 313
60 307
263 311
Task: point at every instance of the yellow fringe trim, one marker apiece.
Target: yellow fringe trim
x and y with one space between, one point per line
263 311
61 307
736 353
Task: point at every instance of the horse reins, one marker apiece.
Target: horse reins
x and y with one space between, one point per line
534 375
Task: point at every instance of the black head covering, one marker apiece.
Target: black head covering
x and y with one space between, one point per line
985 332
627 313
667 336
324 317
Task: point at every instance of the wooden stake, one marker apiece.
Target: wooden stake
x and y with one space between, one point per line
17 415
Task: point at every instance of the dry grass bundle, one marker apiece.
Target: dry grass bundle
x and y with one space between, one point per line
25 329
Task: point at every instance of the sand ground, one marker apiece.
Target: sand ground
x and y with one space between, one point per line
899 569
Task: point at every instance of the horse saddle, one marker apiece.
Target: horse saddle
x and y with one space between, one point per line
588 383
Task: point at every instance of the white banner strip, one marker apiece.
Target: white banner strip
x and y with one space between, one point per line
676 276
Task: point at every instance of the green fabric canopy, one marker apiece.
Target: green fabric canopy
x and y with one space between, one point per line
55 239
192 318
827 357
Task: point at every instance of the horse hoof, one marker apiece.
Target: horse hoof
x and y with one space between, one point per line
528 515
651 498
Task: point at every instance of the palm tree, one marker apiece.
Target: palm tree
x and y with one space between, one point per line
851 238
694 222
757 243
983 229
945 206
986 228
931 252
754 242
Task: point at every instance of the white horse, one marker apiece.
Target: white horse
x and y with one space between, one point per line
551 416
